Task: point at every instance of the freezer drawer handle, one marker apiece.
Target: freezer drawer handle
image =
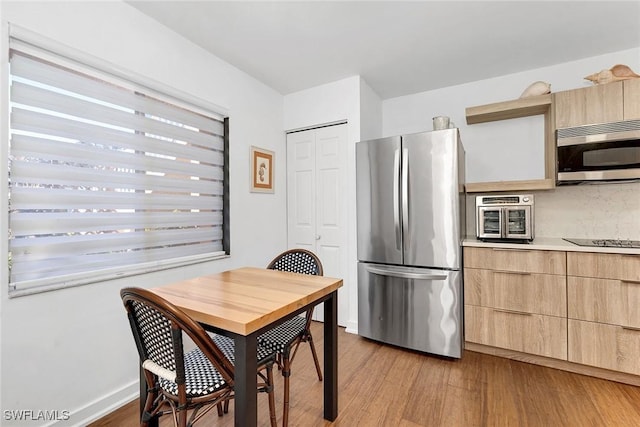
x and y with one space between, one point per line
406 275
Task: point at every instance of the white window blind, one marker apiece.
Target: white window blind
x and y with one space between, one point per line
106 180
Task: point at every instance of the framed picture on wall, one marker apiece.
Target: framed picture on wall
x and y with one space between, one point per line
261 170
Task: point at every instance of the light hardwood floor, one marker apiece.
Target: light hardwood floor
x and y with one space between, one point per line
380 385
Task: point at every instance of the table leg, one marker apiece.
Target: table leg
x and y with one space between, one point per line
331 357
246 382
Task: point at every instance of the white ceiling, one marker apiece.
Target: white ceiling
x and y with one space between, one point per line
398 48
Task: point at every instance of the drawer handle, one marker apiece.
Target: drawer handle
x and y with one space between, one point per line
521 273
521 313
631 282
511 250
629 328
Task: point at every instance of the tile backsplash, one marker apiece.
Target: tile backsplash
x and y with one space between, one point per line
605 210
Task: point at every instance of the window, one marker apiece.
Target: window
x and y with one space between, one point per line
107 178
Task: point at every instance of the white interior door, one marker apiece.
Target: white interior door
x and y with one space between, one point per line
316 202
301 183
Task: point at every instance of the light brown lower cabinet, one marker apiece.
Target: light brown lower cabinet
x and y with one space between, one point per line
604 266
603 291
519 331
516 299
518 260
579 310
616 302
604 346
516 291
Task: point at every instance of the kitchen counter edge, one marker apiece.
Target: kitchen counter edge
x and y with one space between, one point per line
549 244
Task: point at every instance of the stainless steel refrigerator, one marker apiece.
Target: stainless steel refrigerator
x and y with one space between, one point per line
411 221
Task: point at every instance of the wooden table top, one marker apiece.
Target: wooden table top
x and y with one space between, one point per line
246 299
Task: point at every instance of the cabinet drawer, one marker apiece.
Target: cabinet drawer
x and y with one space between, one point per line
527 292
522 260
606 301
527 333
604 346
604 266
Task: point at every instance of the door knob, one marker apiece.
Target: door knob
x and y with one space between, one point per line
318 237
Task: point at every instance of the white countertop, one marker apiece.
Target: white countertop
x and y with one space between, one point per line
549 244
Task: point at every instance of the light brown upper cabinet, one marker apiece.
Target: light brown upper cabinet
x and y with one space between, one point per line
631 94
610 102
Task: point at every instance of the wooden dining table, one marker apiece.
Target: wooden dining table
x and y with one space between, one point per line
245 302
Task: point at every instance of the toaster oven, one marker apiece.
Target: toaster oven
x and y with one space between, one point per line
505 217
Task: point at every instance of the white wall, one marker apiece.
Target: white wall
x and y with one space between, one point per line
586 211
72 349
370 113
326 104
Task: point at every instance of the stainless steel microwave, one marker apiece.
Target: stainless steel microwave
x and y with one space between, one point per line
505 217
600 152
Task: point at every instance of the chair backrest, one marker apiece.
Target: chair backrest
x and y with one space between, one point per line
157 327
297 261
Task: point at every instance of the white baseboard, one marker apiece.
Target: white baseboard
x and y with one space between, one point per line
352 328
81 417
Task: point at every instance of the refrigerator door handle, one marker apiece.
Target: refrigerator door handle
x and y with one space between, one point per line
405 198
396 197
405 274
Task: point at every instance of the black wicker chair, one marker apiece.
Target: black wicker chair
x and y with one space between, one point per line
285 338
178 382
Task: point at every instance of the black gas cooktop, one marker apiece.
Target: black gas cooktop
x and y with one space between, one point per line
608 243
